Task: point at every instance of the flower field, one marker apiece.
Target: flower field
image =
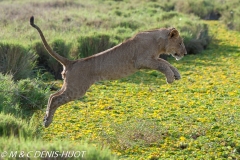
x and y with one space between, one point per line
143 117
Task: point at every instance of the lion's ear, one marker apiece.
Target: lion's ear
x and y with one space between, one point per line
173 33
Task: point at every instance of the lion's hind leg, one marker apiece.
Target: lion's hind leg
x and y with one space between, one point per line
64 96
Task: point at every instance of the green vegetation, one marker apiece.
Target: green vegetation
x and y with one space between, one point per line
138 117
20 106
76 33
22 96
49 63
12 126
60 149
16 60
143 117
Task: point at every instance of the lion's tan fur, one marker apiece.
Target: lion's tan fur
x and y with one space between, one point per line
139 52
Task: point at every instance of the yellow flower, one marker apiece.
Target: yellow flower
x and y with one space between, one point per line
182 138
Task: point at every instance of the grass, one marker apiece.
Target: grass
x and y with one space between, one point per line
16 60
12 126
121 19
14 148
196 117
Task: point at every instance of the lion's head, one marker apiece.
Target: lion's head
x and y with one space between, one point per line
175 45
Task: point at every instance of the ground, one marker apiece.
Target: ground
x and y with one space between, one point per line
142 117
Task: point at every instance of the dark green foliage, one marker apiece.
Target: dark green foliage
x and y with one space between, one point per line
62 49
8 91
22 96
92 44
199 42
16 60
32 94
49 63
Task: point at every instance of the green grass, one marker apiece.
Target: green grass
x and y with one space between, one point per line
120 19
14 148
12 126
16 60
197 117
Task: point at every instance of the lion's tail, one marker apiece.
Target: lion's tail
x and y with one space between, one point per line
62 60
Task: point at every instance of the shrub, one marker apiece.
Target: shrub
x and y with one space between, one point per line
47 61
22 96
198 42
92 44
11 126
8 98
231 16
16 60
32 94
192 7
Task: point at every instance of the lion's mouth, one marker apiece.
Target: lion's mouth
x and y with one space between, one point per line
176 56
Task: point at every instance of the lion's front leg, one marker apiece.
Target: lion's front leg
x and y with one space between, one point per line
163 66
177 75
167 71
175 71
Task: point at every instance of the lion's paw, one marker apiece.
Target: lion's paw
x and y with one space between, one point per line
170 79
177 77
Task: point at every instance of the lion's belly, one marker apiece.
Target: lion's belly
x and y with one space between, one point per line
113 74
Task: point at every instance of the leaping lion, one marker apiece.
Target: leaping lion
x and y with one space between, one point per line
139 52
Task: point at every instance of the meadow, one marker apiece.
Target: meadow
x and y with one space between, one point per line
137 117
142 117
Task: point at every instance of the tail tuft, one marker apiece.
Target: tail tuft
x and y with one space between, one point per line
32 21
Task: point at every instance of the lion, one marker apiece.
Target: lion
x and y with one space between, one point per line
139 52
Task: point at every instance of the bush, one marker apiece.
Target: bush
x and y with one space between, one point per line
8 91
198 42
231 16
47 61
11 126
193 7
16 60
228 11
32 94
92 44
22 96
